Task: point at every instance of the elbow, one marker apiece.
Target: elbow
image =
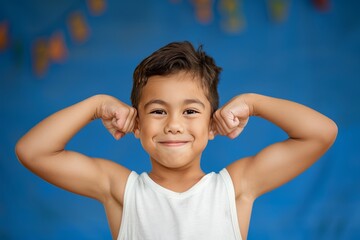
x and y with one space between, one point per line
332 131
329 133
22 152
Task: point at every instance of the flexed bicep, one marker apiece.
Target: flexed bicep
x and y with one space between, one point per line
42 150
80 174
310 135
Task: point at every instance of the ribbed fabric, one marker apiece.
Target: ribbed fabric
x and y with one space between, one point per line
206 211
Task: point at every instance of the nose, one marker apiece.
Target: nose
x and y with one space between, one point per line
174 125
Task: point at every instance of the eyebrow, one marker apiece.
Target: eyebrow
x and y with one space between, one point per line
155 101
196 101
186 102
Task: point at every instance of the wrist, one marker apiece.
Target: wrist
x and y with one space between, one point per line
250 99
98 101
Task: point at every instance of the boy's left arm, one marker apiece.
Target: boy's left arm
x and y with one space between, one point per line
310 135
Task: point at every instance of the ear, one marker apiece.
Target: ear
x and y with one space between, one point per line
211 130
136 129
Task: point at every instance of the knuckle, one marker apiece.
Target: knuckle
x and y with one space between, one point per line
223 112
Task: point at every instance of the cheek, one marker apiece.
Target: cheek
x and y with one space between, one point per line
148 128
200 129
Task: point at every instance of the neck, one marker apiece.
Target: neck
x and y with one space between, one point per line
176 179
176 175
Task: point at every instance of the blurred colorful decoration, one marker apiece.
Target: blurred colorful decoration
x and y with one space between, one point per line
4 35
278 9
96 7
322 5
232 14
57 47
40 56
78 27
53 48
203 10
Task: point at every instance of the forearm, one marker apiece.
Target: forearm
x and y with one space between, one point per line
298 121
52 134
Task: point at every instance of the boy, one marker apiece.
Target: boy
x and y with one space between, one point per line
174 114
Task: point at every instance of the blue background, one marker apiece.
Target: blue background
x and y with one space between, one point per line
312 57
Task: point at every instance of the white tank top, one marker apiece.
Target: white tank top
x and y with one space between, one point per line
206 211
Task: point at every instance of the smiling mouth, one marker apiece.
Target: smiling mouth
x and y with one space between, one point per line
173 143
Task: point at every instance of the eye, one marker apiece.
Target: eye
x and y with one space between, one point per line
190 111
158 111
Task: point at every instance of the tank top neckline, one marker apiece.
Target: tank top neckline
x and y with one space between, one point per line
170 193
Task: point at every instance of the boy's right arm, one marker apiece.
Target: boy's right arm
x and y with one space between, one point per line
42 149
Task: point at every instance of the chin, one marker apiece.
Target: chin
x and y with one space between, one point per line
173 164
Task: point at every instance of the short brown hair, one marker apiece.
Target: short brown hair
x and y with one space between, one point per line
173 58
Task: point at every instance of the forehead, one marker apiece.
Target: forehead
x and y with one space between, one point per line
174 87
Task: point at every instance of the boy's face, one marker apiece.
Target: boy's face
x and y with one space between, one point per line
174 120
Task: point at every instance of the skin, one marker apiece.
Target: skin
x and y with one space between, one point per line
174 115
174 124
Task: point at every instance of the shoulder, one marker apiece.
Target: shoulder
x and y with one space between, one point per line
237 172
115 177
